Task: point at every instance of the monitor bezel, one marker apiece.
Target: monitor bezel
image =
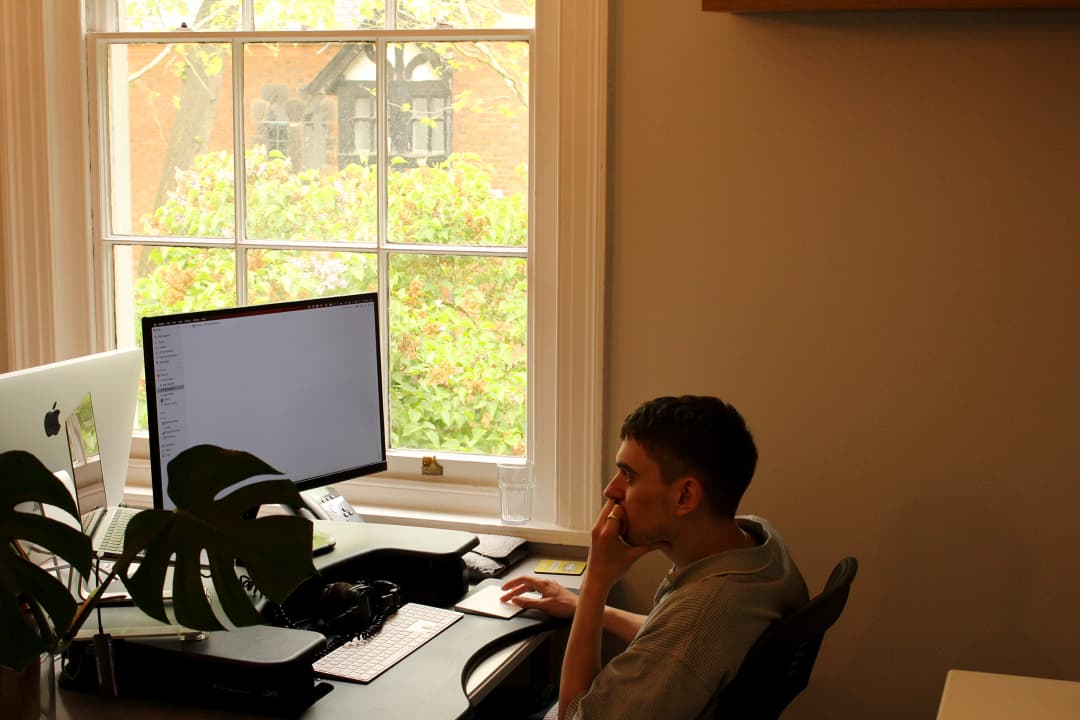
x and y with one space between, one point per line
149 322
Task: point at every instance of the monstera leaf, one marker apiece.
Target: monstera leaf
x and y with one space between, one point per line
25 587
275 551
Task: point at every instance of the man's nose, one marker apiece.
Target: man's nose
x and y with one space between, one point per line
614 489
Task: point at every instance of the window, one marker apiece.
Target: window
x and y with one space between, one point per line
562 238
222 188
273 123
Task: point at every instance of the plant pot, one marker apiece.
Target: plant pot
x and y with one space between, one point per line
31 693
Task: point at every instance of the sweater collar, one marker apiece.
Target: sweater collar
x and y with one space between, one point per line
730 562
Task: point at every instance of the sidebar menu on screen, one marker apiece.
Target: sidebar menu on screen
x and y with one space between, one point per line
169 384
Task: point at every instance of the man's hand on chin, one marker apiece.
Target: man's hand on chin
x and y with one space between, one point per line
610 556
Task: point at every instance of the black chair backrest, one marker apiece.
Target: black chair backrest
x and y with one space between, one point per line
777 667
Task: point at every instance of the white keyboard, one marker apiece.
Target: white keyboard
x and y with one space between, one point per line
406 630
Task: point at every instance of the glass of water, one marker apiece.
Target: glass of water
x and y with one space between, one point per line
516 488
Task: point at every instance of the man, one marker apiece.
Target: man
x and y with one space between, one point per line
683 466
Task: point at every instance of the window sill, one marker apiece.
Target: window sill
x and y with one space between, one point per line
458 506
379 499
535 532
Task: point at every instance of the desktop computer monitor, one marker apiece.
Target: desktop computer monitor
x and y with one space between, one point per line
76 417
37 404
297 384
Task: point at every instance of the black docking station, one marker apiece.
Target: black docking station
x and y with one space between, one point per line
260 670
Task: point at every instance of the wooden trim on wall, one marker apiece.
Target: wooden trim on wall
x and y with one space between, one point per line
762 6
581 255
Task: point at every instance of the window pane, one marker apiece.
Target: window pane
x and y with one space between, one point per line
160 280
459 143
320 15
308 177
167 15
364 126
275 275
458 353
466 13
171 139
182 279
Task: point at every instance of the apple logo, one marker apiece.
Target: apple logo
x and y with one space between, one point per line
52 421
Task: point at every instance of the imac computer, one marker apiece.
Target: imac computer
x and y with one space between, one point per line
39 404
76 417
297 384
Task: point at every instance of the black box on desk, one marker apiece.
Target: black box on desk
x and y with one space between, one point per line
261 670
426 563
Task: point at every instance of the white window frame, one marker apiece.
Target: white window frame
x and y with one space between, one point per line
53 319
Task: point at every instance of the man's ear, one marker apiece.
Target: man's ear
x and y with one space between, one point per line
689 495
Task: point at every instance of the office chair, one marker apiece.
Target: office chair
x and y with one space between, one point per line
777 667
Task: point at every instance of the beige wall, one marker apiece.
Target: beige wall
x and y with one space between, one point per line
864 230
4 297
4 240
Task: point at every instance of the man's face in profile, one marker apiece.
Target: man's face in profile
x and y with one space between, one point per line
647 501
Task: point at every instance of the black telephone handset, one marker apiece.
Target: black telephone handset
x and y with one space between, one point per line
357 608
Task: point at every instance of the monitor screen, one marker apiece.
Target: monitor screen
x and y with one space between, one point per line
297 384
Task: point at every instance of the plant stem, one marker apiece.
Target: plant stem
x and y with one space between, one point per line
86 607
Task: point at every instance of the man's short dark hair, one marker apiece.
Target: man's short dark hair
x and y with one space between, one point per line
700 436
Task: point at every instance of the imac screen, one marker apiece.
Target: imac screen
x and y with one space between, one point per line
297 384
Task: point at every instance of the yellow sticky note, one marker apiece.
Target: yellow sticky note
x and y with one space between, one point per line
560 567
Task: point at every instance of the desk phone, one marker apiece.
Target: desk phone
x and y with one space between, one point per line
326 503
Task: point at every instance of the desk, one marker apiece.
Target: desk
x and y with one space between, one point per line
427 684
441 679
989 696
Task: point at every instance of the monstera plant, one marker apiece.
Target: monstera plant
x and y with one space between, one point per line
37 611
